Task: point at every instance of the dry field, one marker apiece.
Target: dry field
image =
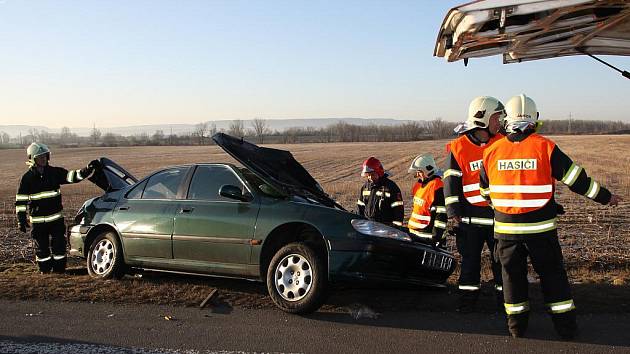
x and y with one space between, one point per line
595 238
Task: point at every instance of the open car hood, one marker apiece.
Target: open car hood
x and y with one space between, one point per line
522 30
276 167
111 177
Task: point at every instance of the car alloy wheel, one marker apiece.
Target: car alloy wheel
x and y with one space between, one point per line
105 258
293 277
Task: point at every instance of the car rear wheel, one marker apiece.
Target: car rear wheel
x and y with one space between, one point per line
296 279
105 257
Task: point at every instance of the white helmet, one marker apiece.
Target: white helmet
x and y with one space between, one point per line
425 163
521 113
480 110
34 150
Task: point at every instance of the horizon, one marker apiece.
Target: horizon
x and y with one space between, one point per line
152 63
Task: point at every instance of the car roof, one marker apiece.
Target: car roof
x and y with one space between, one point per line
522 30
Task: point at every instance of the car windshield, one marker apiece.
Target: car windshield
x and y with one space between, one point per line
259 184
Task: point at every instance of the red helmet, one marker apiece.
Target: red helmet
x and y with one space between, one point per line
372 165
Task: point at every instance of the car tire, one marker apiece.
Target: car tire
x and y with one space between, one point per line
296 279
105 257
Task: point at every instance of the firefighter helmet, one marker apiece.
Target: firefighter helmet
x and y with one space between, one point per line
521 108
36 149
480 110
425 163
372 165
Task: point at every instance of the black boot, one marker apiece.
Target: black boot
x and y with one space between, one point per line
467 301
517 324
565 324
45 266
59 265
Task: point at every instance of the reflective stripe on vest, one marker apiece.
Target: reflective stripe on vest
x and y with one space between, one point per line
397 203
49 218
421 234
519 174
440 210
360 202
451 200
524 228
440 224
20 208
423 196
515 309
561 307
21 197
469 157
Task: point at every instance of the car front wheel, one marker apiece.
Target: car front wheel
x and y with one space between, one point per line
296 279
105 257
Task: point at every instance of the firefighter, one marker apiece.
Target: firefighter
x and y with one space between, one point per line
518 176
39 193
428 217
380 198
468 211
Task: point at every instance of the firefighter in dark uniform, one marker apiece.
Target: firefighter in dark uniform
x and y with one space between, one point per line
428 216
380 198
39 194
469 212
518 176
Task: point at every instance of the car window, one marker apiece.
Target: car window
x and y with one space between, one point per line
136 191
208 180
164 185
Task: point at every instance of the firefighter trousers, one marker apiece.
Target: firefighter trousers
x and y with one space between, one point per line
49 235
546 257
470 240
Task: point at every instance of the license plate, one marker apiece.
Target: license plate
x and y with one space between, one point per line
436 261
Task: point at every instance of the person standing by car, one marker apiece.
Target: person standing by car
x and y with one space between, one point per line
468 211
380 198
428 217
39 194
518 177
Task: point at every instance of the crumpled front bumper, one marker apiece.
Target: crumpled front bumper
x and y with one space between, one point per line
376 261
76 237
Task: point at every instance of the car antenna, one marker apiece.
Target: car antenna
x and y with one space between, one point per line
623 73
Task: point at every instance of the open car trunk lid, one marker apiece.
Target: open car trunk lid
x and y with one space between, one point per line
276 167
111 176
522 30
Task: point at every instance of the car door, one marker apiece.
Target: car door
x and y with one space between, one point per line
145 215
211 228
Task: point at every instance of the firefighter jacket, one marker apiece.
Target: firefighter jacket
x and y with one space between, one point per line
428 216
40 194
461 181
518 177
382 202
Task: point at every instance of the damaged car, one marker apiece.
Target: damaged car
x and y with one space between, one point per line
267 220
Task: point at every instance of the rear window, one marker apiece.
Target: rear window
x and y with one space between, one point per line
165 184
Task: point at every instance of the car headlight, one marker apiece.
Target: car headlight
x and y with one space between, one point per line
373 228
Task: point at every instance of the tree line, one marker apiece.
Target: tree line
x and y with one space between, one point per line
259 131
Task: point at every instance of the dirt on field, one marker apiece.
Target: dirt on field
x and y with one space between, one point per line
595 238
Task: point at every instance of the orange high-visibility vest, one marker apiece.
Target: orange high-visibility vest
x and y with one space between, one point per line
469 157
519 174
423 198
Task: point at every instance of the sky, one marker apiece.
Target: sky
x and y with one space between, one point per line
118 63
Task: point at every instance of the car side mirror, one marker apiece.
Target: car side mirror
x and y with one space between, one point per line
234 192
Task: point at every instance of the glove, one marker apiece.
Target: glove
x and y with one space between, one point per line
95 165
23 226
560 209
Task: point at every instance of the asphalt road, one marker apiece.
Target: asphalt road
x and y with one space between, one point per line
56 327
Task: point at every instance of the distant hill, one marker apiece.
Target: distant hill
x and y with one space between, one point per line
274 124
